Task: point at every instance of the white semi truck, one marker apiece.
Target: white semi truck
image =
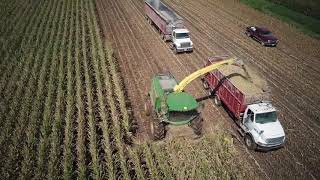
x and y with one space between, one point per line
169 24
247 99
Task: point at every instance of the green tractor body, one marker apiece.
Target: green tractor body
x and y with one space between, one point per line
170 108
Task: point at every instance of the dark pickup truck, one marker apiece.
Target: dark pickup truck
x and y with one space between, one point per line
262 35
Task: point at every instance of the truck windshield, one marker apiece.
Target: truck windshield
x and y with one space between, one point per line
182 116
266 33
182 35
266 117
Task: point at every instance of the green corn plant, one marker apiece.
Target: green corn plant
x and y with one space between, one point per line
162 161
68 156
31 144
15 31
137 163
80 116
11 116
93 147
111 102
153 171
54 165
14 151
14 90
45 128
10 93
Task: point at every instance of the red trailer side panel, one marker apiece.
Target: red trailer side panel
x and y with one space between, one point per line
232 97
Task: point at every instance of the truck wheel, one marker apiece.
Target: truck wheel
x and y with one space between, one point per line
175 50
217 100
147 107
196 125
249 142
171 46
157 130
163 37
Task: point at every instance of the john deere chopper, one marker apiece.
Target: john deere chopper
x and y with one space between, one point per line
168 104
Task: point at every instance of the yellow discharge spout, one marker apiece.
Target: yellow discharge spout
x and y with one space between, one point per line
200 72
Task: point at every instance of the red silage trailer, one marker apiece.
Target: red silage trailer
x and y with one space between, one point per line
163 17
235 94
247 97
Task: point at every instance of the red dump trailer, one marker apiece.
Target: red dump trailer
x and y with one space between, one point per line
169 24
247 97
163 17
232 86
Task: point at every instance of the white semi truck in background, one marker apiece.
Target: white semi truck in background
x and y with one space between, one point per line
169 24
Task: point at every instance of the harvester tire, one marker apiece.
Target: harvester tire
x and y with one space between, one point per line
147 107
157 130
196 125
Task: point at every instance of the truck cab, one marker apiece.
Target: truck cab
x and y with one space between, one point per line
261 127
181 41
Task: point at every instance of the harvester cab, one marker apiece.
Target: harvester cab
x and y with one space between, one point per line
168 104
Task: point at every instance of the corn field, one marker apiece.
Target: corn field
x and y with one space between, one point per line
64 112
